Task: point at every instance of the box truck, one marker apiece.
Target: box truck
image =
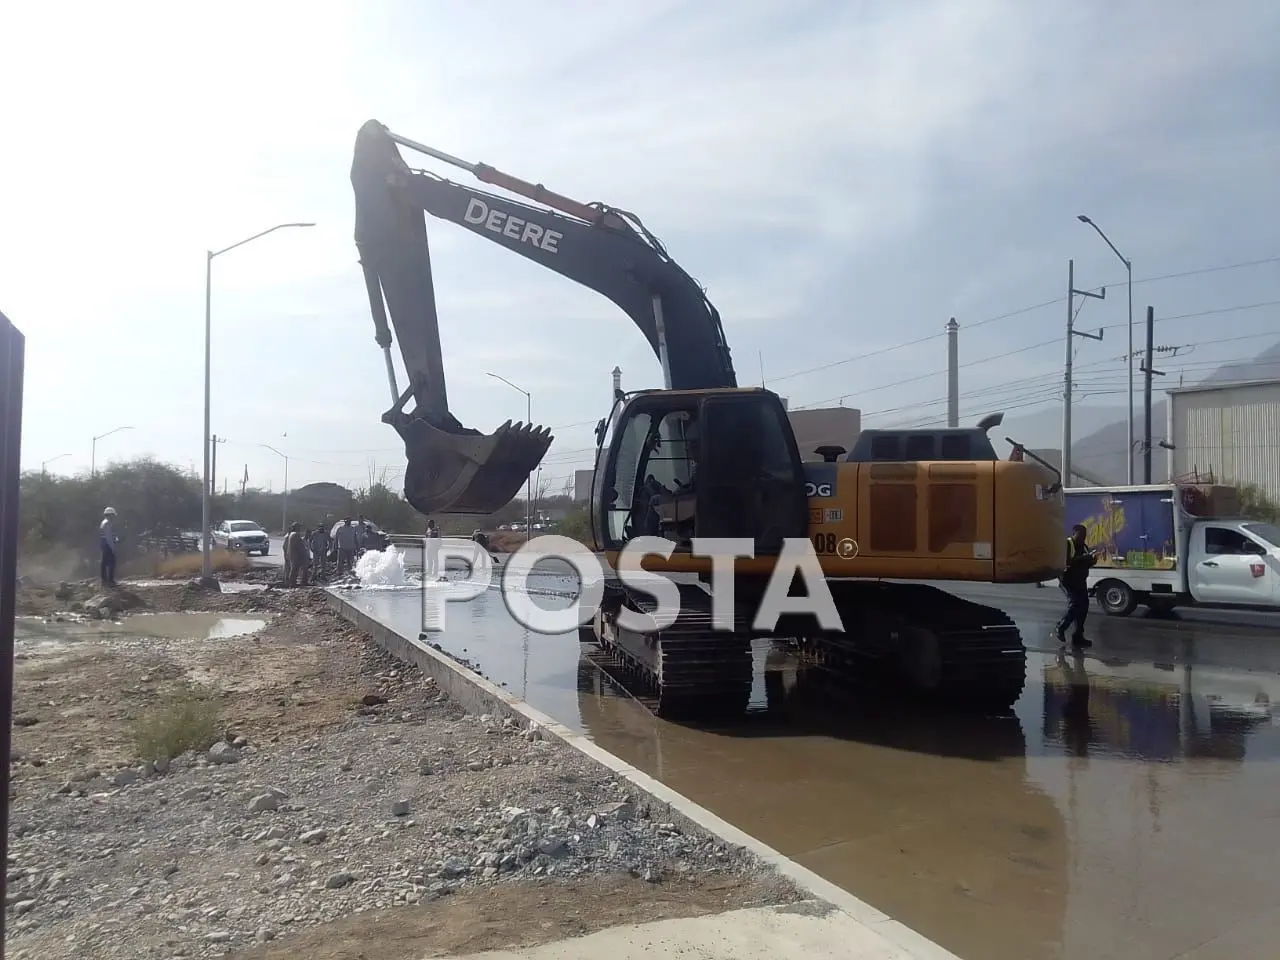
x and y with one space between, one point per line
1175 545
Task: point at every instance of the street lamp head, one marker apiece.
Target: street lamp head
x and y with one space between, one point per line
299 224
1083 219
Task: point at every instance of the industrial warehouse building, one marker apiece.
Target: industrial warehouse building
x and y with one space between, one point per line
831 426
1229 431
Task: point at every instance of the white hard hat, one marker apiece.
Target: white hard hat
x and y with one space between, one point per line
109 512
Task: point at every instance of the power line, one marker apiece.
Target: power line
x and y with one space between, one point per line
1099 387
1017 313
1036 346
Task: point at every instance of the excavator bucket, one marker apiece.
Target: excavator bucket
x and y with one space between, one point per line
468 471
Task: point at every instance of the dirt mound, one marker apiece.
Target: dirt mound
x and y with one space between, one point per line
89 598
111 604
42 599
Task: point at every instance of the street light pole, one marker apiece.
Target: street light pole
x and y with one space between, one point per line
206 565
93 449
284 495
1128 266
528 490
45 463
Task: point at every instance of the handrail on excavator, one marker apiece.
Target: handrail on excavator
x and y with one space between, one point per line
492 175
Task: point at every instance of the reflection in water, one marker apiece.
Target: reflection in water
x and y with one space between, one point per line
1138 822
929 817
1076 726
1172 833
1141 711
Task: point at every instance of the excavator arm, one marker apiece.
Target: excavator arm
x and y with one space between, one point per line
456 469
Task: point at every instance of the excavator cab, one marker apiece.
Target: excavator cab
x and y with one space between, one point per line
713 464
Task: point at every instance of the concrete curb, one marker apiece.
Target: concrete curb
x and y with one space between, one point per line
478 695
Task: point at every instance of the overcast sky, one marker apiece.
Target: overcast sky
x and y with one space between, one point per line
842 178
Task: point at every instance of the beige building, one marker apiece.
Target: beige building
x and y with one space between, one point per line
1229 431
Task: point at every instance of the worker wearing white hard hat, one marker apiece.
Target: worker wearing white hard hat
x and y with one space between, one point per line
108 541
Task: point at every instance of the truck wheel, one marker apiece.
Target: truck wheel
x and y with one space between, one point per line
1115 598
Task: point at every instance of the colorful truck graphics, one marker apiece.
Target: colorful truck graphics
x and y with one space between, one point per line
1130 530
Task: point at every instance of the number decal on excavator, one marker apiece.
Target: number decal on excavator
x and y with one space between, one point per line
824 543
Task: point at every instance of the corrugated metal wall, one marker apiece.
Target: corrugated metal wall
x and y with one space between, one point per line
1233 432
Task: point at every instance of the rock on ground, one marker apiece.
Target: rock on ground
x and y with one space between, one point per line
346 799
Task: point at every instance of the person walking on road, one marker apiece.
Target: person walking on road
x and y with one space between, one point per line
295 557
108 542
1074 582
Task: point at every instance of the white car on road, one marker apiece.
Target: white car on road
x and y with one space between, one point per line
242 535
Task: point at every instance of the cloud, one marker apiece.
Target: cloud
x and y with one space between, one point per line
840 177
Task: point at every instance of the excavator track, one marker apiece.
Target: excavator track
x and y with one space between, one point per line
931 644
940 646
688 670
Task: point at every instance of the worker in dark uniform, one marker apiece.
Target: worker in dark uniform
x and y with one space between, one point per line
1074 582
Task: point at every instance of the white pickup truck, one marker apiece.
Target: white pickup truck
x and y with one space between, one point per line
1160 545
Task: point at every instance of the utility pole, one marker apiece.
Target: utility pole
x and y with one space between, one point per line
213 463
1072 293
953 373
1147 372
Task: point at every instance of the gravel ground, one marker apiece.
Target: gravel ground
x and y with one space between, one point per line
348 799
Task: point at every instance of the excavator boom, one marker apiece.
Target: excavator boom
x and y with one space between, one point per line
453 468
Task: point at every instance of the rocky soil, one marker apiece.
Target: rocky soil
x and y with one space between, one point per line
345 802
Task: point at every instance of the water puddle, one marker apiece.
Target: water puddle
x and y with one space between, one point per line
235 586
1051 833
167 626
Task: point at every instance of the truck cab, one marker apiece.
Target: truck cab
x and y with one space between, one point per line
1235 562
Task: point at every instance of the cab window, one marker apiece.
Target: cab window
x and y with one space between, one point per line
1225 541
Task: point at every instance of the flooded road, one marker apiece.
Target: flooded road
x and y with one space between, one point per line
1130 807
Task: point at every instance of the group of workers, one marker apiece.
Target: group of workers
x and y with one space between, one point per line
307 551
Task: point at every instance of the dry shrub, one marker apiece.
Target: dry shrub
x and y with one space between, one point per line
190 564
506 541
185 720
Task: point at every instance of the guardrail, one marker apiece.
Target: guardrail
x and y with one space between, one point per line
12 361
182 543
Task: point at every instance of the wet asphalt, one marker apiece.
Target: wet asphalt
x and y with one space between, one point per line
1129 807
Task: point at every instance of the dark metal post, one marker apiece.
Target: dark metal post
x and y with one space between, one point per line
12 353
1147 371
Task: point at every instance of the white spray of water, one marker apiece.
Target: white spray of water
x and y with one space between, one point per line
382 568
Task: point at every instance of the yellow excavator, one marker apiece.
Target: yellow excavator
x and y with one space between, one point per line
703 458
